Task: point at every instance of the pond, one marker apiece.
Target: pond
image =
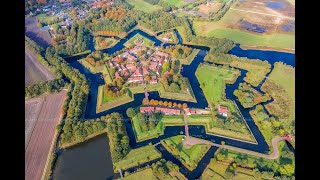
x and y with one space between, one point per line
88 160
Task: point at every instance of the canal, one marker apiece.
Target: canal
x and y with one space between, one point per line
81 154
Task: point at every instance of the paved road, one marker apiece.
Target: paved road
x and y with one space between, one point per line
185 119
254 12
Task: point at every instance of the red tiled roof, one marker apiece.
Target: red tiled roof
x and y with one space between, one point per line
131 57
145 71
168 111
135 79
153 67
146 109
162 53
222 109
153 81
130 66
153 77
117 75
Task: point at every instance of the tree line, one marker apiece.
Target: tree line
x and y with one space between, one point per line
118 138
76 131
47 86
80 86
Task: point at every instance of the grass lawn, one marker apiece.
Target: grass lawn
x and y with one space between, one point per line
147 42
188 60
213 81
177 3
281 86
165 94
137 156
44 18
218 29
190 157
144 174
143 6
105 102
101 69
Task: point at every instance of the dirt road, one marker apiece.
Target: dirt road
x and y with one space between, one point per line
35 72
42 133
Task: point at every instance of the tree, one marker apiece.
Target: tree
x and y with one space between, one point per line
287 169
169 104
139 53
156 102
147 78
165 103
145 101
184 105
130 112
174 87
179 105
151 101
160 103
175 104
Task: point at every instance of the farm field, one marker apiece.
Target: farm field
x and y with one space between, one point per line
41 132
143 6
263 27
35 33
35 72
281 86
276 40
138 156
177 3
215 7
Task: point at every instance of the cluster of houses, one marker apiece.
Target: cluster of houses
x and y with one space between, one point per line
134 70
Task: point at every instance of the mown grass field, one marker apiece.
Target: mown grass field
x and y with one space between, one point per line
147 42
143 6
177 3
44 18
190 157
144 174
215 29
138 156
213 81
